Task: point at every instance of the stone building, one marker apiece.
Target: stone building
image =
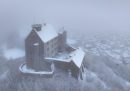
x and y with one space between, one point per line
44 46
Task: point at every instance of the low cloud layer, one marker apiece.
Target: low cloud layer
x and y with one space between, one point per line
82 16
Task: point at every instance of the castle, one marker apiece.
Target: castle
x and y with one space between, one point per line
47 49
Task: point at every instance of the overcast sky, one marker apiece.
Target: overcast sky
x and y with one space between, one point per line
75 15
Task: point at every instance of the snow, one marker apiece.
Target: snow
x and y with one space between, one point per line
127 83
36 44
102 73
112 54
24 69
88 46
71 41
64 56
95 51
57 59
47 33
92 77
125 54
77 56
13 53
4 75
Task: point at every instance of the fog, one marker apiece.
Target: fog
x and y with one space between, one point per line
100 27
78 16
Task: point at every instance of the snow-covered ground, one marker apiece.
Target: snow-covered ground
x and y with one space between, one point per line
4 75
114 48
107 62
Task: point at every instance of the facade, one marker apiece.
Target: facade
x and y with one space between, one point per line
44 46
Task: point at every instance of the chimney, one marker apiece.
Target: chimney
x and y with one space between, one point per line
37 27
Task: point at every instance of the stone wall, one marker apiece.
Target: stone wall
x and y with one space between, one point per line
34 52
51 47
62 41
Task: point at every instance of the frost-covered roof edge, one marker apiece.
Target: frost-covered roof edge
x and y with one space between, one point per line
78 56
47 33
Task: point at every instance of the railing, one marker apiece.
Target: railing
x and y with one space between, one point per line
33 72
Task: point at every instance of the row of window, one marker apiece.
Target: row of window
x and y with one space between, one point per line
52 47
51 52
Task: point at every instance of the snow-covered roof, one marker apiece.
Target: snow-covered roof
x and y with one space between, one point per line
58 59
64 57
47 33
77 56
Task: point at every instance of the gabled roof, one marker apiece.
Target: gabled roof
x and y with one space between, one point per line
77 57
47 33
